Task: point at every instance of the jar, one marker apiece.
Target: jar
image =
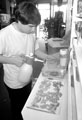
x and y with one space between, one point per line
63 58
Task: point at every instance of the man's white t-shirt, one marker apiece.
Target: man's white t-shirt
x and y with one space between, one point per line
12 43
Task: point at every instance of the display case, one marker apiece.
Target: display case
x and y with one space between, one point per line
65 103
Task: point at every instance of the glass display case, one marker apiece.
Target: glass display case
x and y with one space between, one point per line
60 98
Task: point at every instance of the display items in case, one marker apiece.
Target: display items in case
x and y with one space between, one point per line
47 98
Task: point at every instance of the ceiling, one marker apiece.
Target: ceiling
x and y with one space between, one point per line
3 3
54 1
44 1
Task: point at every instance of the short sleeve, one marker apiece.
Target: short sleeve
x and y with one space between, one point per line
1 43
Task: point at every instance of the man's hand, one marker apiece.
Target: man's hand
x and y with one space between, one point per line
28 59
19 60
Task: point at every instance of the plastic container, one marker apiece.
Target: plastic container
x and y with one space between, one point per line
63 58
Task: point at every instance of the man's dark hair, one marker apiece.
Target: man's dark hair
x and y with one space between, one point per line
27 13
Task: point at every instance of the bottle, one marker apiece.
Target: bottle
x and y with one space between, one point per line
63 58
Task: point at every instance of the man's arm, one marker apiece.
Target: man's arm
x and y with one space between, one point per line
14 60
41 55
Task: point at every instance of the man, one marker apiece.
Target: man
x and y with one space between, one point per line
17 41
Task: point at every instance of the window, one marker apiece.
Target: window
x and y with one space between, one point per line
44 10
